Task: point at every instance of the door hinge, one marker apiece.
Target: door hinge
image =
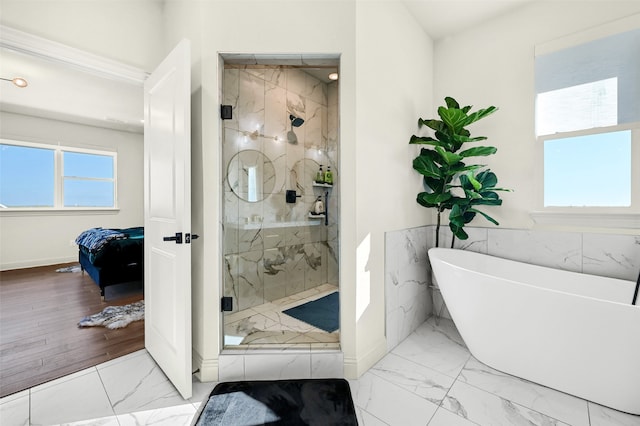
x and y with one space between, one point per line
226 112
227 304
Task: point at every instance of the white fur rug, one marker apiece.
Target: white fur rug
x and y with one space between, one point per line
113 317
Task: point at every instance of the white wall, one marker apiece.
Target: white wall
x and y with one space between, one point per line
394 86
383 89
493 64
123 30
34 239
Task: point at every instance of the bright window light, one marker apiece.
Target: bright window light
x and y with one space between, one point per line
27 176
584 106
35 176
588 171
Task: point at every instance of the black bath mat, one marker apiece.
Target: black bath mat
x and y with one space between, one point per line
323 313
279 402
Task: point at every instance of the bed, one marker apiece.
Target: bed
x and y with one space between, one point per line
112 256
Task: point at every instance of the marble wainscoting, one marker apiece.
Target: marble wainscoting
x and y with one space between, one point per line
281 262
408 273
407 277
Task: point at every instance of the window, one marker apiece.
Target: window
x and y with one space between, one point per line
38 176
587 123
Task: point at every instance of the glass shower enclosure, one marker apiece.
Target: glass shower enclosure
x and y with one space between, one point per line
280 221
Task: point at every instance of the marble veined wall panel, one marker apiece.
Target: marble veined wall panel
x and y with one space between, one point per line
264 259
407 271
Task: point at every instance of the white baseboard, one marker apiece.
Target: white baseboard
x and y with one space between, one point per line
356 367
206 369
38 262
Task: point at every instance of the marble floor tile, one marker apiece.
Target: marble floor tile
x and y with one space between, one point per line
485 408
553 403
390 403
445 417
79 396
200 391
180 415
429 379
367 419
418 379
603 416
439 347
103 421
137 383
267 324
14 409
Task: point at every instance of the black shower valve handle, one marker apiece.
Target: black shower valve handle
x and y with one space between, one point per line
290 196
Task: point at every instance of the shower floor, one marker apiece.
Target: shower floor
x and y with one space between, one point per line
265 326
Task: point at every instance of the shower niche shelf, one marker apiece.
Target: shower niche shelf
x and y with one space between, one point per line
322 185
271 225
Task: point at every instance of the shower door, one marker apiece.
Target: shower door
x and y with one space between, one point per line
276 253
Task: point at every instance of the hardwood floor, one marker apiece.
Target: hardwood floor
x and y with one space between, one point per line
39 336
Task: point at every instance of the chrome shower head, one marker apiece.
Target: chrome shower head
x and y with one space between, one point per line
295 121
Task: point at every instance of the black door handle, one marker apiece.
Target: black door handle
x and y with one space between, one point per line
177 238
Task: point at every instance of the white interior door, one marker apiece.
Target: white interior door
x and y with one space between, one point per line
167 216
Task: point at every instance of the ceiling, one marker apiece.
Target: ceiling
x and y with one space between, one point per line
64 89
444 18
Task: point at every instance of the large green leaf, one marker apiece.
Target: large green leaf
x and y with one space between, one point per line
486 216
432 199
478 115
432 124
454 118
460 216
431 154
426 167
487 202
468 181
487 178
461 167
434 184
459 232
451 103
478 151
449 157
425 140
461 139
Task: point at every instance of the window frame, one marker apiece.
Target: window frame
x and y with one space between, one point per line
59 178
587 216
604 217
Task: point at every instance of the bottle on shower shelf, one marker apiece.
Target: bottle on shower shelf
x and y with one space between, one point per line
328 176
320 175
318 206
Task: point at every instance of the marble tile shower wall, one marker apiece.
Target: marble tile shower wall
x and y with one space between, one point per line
408 276
271 248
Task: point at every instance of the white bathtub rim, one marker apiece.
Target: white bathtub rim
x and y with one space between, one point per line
519 283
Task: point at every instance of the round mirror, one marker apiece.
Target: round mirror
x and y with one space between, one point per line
251 175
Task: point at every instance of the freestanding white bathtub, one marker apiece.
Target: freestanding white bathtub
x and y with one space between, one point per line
572 332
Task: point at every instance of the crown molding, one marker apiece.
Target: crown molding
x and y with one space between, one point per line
40 47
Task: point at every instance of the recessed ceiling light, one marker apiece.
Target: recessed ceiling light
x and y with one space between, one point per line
333 76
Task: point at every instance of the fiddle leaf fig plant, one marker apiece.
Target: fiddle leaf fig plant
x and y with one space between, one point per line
450 183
